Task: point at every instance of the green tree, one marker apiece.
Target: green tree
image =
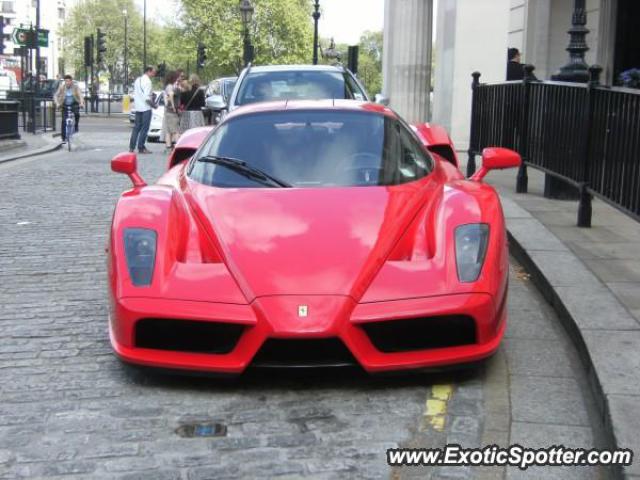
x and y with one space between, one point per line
281 32
369 59
164 43
107 15
370 62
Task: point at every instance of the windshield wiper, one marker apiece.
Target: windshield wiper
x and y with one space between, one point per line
241 167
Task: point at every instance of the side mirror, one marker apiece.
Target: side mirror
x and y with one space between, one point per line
127 163
382 99
496 158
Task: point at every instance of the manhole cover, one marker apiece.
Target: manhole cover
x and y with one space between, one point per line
194 430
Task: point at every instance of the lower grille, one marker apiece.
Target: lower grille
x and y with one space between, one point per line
187 335
322 352
421 333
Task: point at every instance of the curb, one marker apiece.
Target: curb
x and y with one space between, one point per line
41 151
12 144
615 422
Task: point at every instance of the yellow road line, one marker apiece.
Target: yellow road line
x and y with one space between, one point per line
436 407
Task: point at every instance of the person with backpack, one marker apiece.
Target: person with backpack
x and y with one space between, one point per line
143 104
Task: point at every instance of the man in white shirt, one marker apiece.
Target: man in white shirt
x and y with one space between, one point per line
142 90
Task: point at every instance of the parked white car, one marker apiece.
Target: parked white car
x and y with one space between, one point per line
217 97
155 128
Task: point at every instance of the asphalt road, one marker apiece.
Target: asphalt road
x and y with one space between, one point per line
69 409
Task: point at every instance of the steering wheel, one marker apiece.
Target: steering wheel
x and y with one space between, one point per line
363 167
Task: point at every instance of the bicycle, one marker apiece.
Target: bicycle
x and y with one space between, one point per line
69 124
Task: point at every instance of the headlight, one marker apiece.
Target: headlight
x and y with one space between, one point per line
140 251
471 247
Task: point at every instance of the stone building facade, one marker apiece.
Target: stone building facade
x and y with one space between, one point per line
473 35
23 12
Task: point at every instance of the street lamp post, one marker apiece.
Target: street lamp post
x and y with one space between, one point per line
126 66
316 17
144 35
37 45
577 69
246 10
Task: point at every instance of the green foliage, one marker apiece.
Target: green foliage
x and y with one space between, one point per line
89 15
370 74
164 43
369 61
281 32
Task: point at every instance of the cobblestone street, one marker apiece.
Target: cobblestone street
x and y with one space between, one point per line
70 409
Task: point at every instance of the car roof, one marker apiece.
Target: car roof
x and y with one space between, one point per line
223 79
292 105
296 68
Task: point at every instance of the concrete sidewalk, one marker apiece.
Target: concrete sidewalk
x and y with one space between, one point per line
592 278
29 145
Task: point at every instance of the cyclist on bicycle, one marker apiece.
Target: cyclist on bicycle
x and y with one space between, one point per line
68 97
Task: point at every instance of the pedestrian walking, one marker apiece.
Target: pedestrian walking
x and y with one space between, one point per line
95 89
68 97
143 103
192 101
170 121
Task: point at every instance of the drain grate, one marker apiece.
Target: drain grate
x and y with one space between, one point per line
198 430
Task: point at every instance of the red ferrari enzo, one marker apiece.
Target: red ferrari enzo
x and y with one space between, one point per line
309 233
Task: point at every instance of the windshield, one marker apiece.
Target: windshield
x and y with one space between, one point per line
288 85
320 148
228 87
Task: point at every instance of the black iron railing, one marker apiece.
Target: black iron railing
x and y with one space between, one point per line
583 134
104 104
35 114
38 114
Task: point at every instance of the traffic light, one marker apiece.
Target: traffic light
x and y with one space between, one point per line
101 47
202 56
352 61
1 35
161 71
88 51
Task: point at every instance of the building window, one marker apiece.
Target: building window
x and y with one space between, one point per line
7 7
61 13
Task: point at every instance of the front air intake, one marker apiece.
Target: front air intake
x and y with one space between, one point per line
425 333
187 335
321 352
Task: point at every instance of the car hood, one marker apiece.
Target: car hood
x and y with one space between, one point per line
323 241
